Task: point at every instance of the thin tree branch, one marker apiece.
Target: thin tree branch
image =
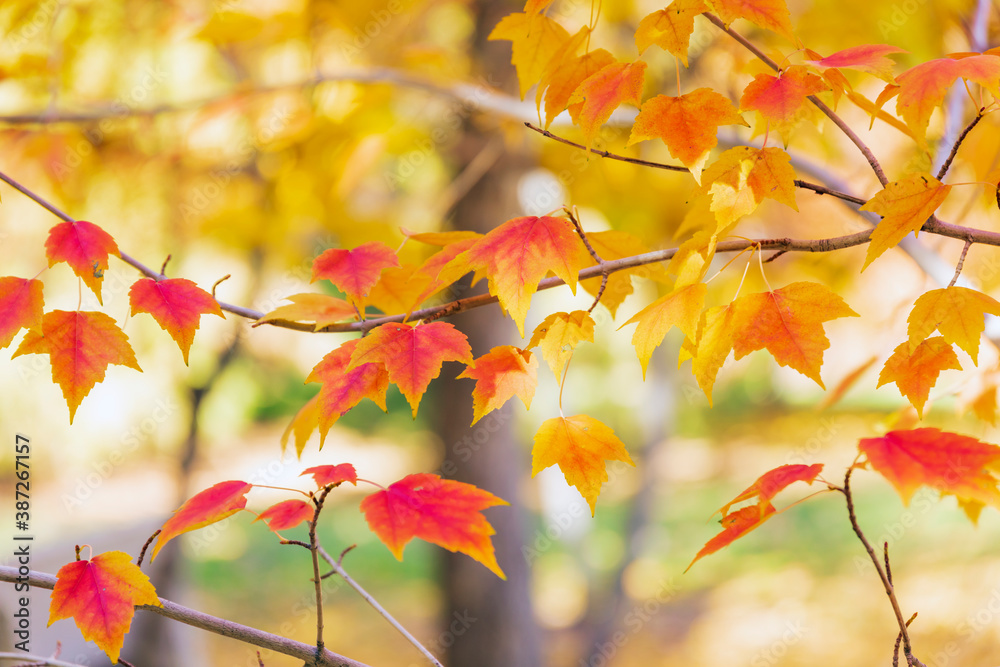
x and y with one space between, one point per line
219 626
818 103
958 142
37 660
961 263
317 580
339 569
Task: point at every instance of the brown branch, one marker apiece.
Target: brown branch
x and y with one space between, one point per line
219 626
961 263
142 553
593 253
818 103
317 579
958 142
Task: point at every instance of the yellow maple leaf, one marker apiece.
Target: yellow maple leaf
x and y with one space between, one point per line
714 343
579 445
916 371
744 176
559 334
535 39
681 308
957 312
670 28
905 205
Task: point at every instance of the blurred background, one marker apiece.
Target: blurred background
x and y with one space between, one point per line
245 137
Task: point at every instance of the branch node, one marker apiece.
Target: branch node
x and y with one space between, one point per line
142 554
219 281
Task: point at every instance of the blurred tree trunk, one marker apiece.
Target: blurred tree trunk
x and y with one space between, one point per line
489 622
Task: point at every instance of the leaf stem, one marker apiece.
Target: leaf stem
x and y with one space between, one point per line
961 263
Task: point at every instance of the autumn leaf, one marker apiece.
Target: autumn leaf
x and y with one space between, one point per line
905 205
100 595
81 345
401 289
734 526
440 239
614 244
779 98
85 247
305 421
535 39
203 509
343 386
441 511
354 272
716 334
957 312
768 14
518 254
559 334
984 405
688 124
286 514
592 103
670 28
321 309
412 355
744 176
773 482
870 58
681 308
788 323
501 374
948 462
176 304
579 445
21 303
916 370
332 474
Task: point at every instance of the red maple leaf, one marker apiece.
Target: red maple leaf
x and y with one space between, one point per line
343 387
21 303
286 514
211 505
354 271
332 474
85 247
176 304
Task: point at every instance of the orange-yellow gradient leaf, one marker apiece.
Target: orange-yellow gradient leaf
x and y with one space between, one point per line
681 308
412 355
519 253
203 509
535 40
321 309
916 370
440 239
957 312
601 93
343 387
670 28
734 526
501 374
21 303
773 482
559 334
354 272
100 595
305 421
565 76
714 343
400 289
614 244
580 446
176 304
922 88
905 206
744 176
441 511
85 247
81 345
779 98
869 58
688 124
332 474
286 514
948 462
984 405
788 323
769 14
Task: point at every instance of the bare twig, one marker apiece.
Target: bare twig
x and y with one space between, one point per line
37 660
142 553
958 142
593 253
317 580
961 263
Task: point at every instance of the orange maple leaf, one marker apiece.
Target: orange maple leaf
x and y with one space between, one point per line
502 373
21 303
412 355
203 509
681 308
592 103
85 247
769 14
949 462
916 369
579 445
535 39
670 28
176 304
343 386
779 98
734 526
354 271
559 334
565 75
286 514
519 253
401 289
773 482
440 239
744 176
81 345
319 308
788 323
869 58
332 474
441 511
957 312
305 421
905 205
688 124
100 595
